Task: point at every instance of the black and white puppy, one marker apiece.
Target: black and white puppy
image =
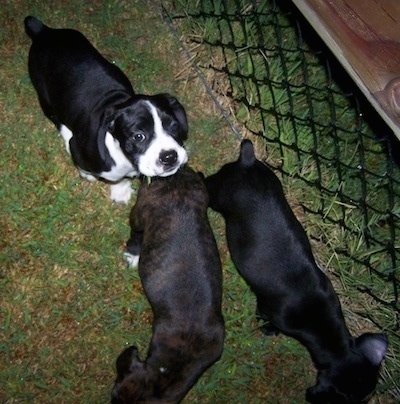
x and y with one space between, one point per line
180 270
110 132
272 252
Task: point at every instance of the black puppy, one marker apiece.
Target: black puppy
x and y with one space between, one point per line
180 270
110 132
272 252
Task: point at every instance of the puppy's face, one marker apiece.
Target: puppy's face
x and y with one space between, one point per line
151 131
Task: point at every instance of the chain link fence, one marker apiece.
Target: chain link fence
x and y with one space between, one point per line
275 81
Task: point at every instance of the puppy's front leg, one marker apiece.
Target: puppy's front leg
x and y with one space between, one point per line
133 245
132 253
121 192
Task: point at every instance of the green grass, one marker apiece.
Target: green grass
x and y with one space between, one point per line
68 303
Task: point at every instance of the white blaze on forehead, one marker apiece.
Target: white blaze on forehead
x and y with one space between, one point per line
149 162
158 128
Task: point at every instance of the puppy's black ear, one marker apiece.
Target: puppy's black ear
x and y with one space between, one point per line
93 132
125 359
180 115
247 156
373 347
33 26
318 394
101 125
110 124
124 366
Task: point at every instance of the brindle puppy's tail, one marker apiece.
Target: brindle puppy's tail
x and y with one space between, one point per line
33 26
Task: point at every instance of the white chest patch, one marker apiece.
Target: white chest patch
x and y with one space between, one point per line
120 190
66 134
123 167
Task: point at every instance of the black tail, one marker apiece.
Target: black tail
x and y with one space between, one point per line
33 26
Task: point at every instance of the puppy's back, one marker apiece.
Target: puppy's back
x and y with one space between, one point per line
181 274
178 244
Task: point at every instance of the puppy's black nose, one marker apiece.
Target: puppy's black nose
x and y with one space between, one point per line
169 157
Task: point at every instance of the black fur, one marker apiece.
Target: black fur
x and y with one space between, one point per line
79 89
271 251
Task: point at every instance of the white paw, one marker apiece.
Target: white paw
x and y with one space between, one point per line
87 176
131 260
121 192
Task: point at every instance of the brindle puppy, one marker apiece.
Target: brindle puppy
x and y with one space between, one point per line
180 271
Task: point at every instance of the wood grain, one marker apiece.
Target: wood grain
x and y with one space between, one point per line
364 35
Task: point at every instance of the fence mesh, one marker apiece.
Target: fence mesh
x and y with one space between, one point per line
275 80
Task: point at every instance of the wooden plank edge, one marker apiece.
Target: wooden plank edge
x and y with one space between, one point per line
312 17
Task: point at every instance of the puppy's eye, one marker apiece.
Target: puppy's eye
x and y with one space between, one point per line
138 137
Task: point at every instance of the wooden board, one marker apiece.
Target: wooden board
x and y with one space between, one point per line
364 35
